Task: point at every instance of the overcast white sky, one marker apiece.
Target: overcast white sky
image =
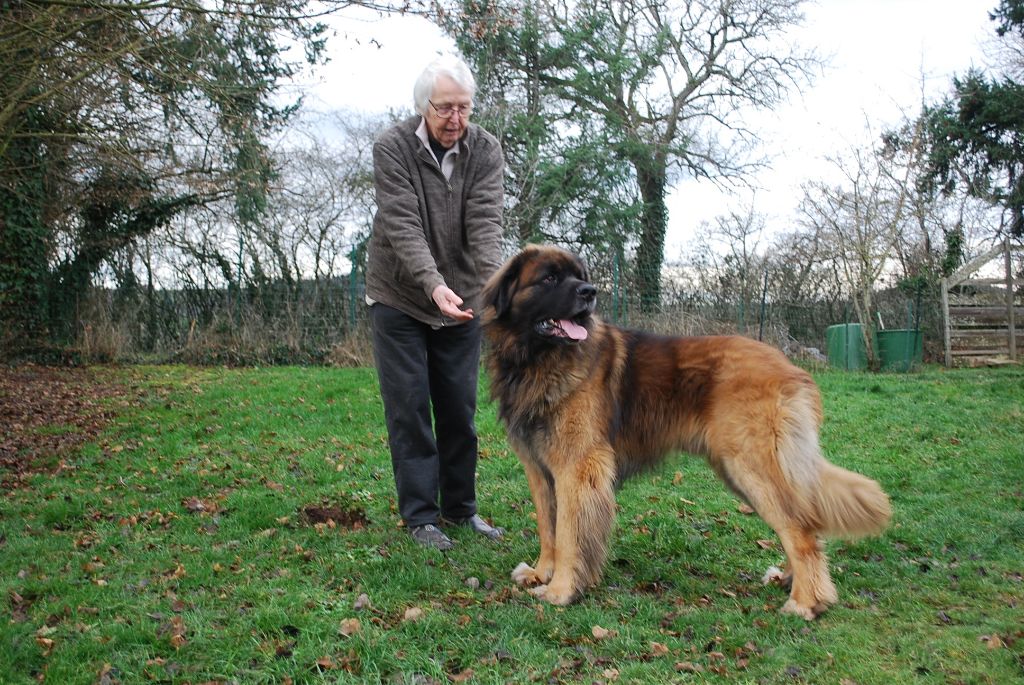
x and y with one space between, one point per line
878 51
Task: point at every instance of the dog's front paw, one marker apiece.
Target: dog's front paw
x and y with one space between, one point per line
524 574
807 613
553 595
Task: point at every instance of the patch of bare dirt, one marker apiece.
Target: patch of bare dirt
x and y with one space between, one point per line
335 515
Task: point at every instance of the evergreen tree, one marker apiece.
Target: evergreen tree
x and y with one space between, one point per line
975 138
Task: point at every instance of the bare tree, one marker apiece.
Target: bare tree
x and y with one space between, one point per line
669 82
727 258
323 201
863 218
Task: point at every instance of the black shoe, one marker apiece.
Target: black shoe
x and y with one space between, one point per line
479 525
430 535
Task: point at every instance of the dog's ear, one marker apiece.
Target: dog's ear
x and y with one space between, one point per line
501 287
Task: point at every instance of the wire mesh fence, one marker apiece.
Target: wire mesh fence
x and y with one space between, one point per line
310 322
325 321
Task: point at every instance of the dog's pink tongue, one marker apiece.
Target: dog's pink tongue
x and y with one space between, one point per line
573 330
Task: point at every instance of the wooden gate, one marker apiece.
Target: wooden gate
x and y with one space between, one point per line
981 315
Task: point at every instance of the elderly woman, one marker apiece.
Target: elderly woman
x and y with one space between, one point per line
436 239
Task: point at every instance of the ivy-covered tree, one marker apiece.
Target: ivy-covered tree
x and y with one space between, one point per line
116 116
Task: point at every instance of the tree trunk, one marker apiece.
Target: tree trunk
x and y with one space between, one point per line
529 217
1016 206
24 247
650 253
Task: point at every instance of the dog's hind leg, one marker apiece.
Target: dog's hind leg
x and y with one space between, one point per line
811 591
775 501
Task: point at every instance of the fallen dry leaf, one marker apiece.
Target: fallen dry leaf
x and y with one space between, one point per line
350 626
993 641
176 573
600 633
46 644
107 676
658 649
413 614
197 505
688 667
461 677
175 628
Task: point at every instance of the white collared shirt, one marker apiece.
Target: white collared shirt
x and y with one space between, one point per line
448 161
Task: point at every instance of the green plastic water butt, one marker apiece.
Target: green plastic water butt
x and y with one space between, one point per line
845 346
899 349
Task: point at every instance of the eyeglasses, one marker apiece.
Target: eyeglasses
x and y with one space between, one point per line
447 111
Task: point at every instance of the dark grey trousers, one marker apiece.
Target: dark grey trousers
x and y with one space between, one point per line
426 373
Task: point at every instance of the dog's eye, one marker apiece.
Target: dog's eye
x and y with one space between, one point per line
550 279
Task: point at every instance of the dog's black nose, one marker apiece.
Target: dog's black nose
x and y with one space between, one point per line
586 291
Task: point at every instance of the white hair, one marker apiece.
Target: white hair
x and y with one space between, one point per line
451 66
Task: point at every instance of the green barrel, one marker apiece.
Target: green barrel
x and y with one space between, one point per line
845 346
899 349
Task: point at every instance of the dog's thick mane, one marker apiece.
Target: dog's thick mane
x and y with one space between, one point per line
529 374
529 377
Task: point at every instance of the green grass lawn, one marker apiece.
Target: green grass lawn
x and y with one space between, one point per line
178 547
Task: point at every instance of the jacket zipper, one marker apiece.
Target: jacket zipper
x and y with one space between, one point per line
452 238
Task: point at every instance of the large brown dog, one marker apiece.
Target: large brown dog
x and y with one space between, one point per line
587 404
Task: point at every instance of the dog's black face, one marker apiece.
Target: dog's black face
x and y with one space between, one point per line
543 292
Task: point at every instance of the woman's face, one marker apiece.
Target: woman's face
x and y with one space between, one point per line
447 93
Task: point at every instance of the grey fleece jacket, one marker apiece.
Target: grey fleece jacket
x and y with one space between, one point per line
429 230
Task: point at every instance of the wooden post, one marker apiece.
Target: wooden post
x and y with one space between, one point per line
946 337
1011 328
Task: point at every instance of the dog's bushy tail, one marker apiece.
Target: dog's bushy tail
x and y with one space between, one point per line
841 503
850 505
